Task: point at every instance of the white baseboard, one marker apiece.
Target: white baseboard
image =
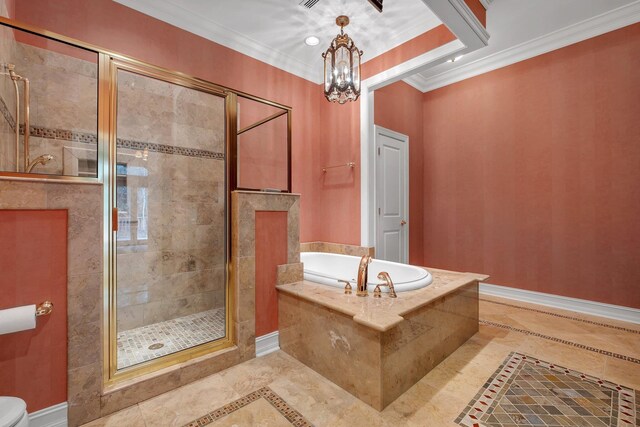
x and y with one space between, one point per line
610 311
53 416
267 344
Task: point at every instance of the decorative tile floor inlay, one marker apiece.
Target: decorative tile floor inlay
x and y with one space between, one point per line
561 341
291 415
526 391
141 344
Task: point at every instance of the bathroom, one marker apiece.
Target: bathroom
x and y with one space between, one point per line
192 205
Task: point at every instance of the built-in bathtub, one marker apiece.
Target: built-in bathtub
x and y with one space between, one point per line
393 341
329 268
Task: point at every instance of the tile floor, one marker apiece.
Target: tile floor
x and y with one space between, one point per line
598 347
526 391
141 344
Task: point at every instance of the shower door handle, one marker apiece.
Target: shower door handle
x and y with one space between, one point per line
114 219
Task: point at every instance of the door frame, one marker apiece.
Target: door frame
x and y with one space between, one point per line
470 35
379 130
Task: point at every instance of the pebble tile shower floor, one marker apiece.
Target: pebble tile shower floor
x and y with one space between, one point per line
141 344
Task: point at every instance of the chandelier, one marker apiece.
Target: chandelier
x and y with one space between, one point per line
342 67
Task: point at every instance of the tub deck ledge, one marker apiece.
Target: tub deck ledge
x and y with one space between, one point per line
381 314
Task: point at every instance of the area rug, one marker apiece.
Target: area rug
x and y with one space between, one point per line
526 391
262 406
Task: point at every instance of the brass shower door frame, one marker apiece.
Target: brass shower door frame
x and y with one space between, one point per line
112 375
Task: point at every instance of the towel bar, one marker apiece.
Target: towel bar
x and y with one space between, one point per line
44 309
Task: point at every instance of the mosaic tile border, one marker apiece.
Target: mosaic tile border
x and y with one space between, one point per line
293 416
90 138
499 383
562 341
168 149
564 316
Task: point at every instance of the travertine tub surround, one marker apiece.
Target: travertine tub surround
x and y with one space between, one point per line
378 348
337 248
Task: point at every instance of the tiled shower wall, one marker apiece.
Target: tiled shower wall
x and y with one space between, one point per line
7 98
63 105
171 261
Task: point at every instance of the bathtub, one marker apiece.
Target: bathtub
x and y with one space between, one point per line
328 268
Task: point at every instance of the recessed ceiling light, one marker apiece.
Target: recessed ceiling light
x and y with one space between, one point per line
455 59
311 41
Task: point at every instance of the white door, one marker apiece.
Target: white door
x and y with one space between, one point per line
392 195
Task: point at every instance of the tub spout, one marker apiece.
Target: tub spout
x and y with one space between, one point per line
363 272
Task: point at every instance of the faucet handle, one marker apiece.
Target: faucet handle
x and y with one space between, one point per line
377 292
347 286
383 275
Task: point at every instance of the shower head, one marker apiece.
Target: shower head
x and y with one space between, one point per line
42 160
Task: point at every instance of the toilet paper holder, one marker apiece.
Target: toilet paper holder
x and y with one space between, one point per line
44 309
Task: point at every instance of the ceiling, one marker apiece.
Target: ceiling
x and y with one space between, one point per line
522 29
274 31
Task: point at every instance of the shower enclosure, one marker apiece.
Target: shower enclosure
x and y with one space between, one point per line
169 214
166 150
48 106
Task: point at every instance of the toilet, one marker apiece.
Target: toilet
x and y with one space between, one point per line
13 412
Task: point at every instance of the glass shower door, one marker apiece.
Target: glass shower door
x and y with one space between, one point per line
171 212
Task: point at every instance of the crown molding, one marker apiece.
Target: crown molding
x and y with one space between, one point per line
182 18
472 20
486 3
417 81
592 27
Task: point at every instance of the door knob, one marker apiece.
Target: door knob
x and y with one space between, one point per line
403 222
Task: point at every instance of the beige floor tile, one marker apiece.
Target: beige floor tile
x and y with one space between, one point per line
315 397
256 414
622 372
261 372
130 417
357 414
187 403
565 355
424 405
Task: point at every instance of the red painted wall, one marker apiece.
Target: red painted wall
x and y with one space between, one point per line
337 194
532 172
271 251
262 151
33 262
478 9
398 107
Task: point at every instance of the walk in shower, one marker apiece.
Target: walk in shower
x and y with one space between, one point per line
165 150
48 106
170 204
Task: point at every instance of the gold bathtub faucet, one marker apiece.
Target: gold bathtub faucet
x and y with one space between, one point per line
377 293
363 272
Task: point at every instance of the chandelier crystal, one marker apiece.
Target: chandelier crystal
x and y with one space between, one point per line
342 67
